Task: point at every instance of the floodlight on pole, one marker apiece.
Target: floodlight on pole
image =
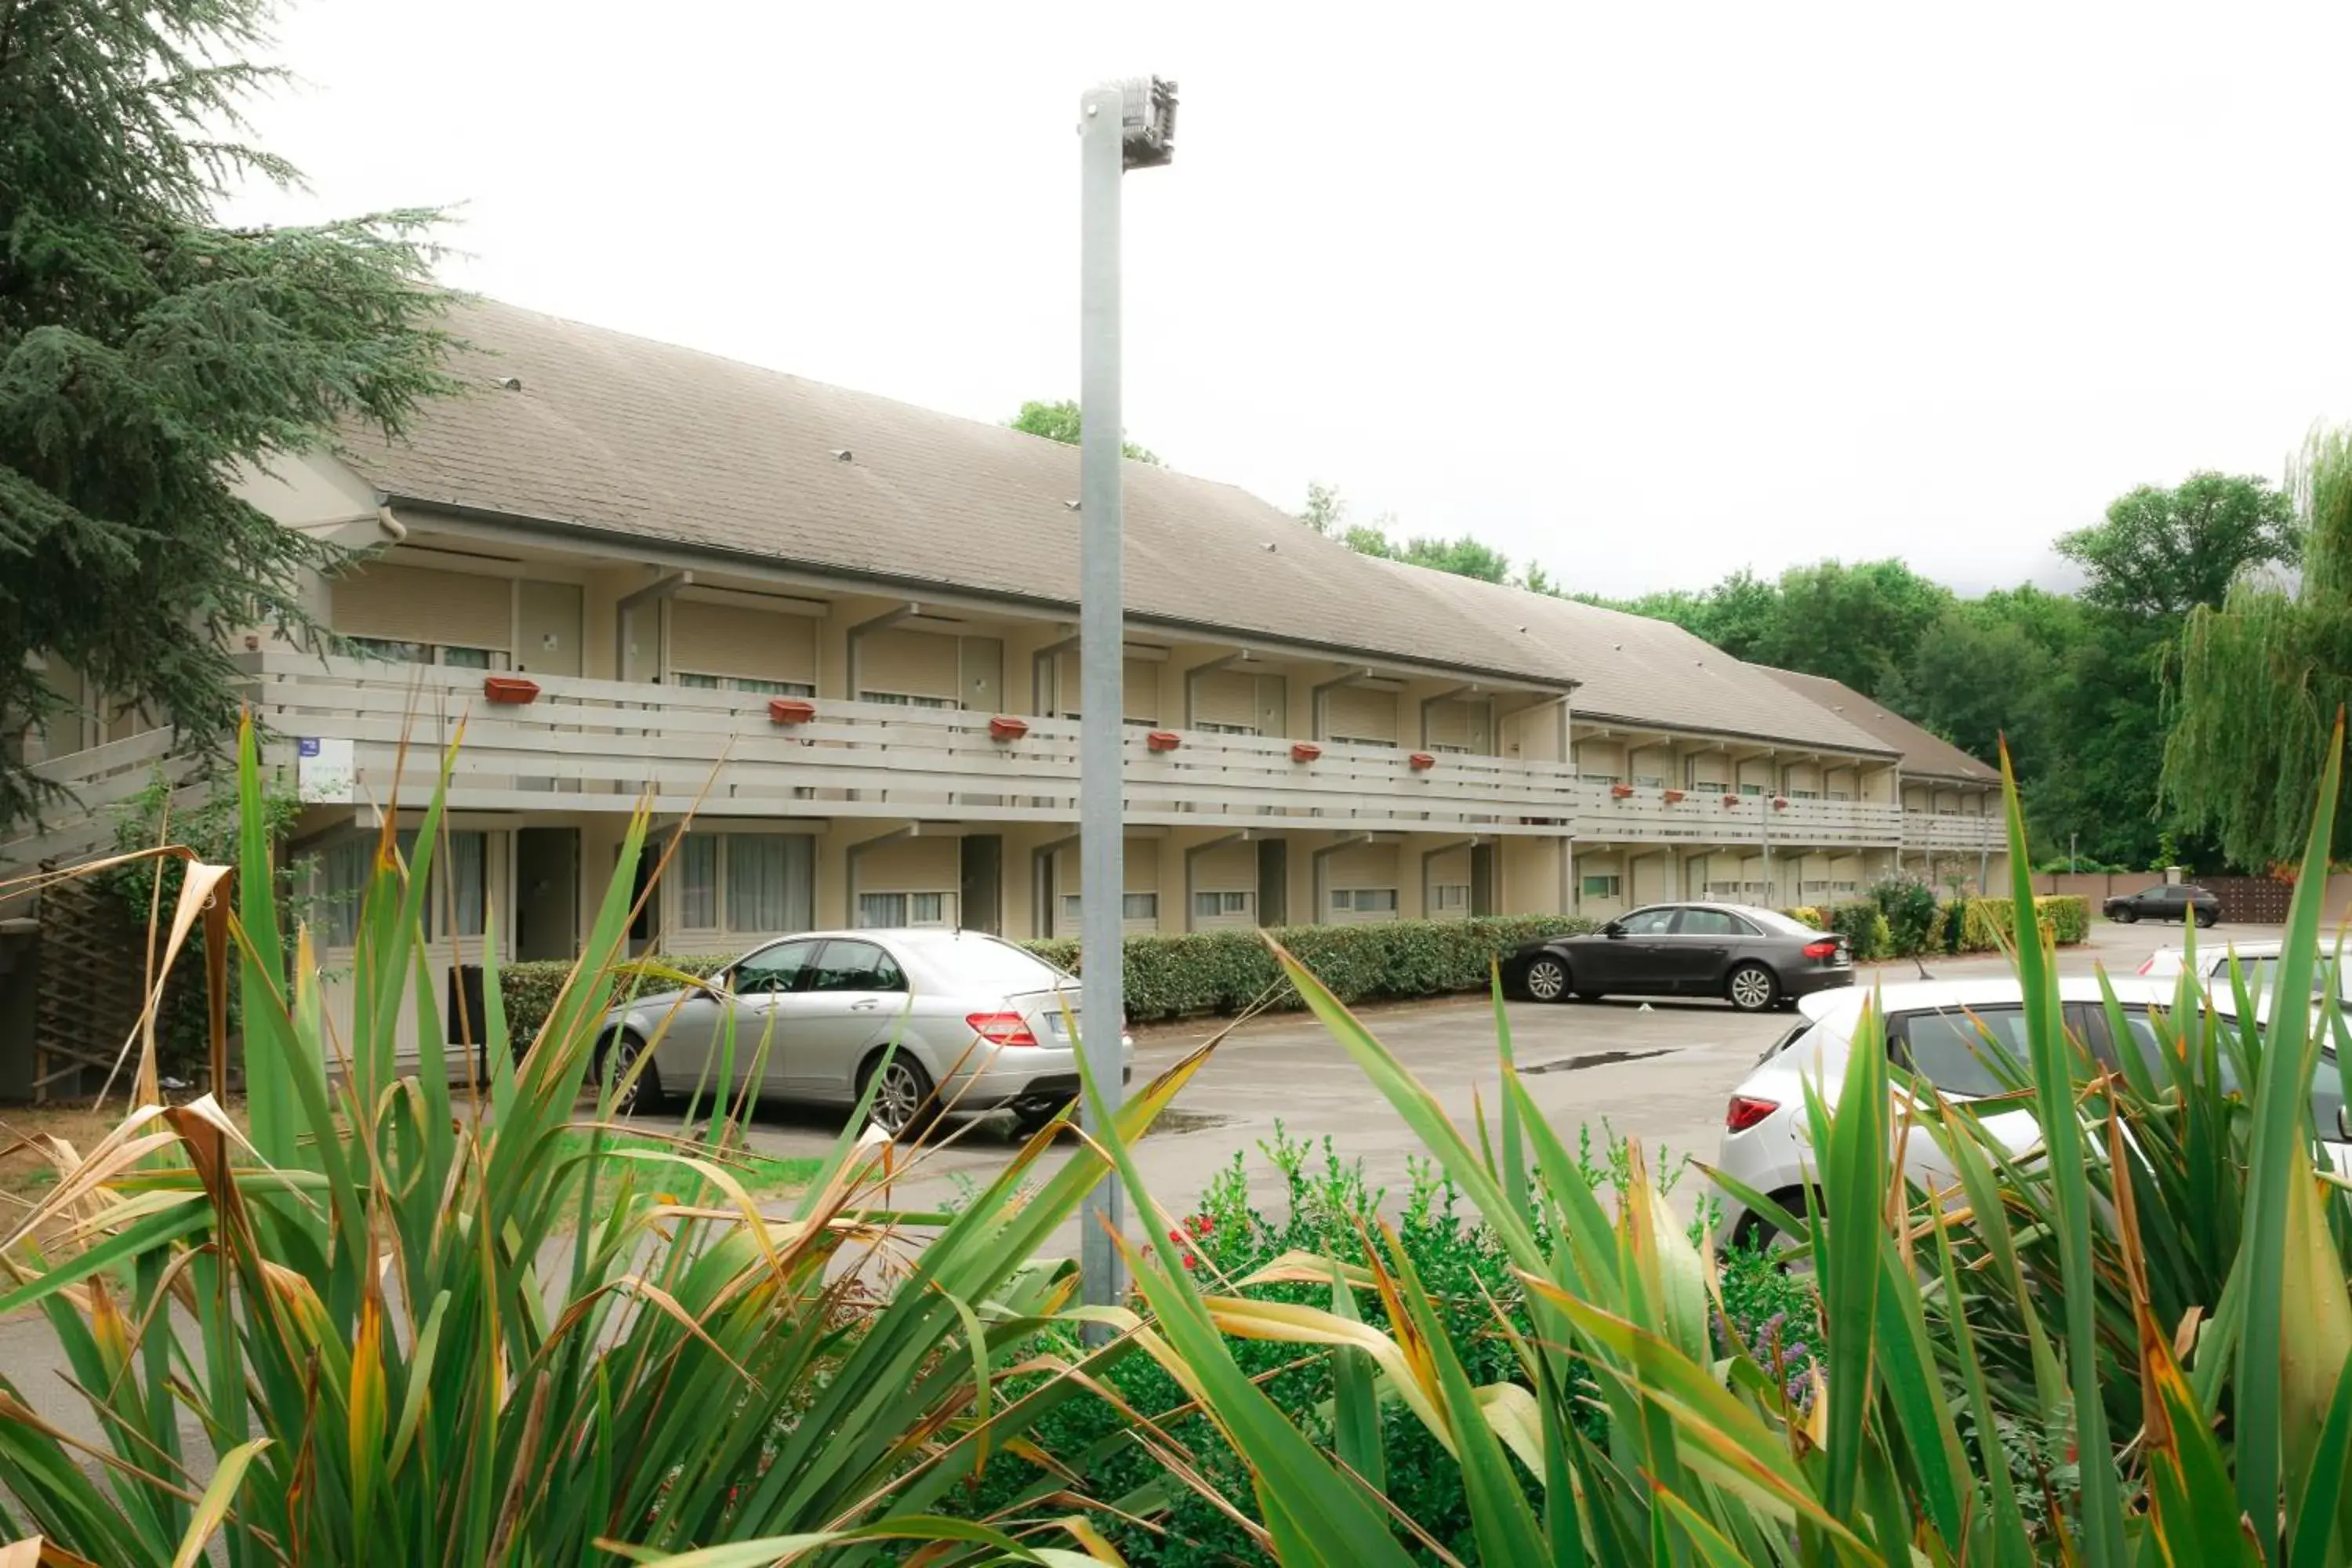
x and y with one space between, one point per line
1123 125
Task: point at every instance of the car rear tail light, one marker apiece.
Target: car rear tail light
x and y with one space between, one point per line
1746 1111
1001 1028
1825 947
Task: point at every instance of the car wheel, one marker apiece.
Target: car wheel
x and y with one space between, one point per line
1028 1121
1751 987
620 1052
1756 1234
2207 919
1547 978
2125 915
902 1102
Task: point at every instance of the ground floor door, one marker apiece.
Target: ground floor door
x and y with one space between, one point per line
981 904
1273 882
547 893
1483 901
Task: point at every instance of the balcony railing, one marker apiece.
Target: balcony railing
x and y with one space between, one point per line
579 744
1937 830
1646 813
99 785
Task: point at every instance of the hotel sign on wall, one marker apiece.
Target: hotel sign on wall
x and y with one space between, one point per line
323 771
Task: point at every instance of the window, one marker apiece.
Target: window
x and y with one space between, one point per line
742 683
1603 887
854 966
1648 923
1956 1051
1751 789
347 865
698 882
1841 794
900 911
1604 780
464 894
1444 751
1450 897
400 652
1712 923
1709 786
1359 741
772 969
2327 1093
1363 900
1649 781
1209 727
1804 794
1845 889
768 881
906 700
1221 906
1140 909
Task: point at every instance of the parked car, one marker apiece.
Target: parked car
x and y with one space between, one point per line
1935 1030
1752 958
981 1024
2164 902
2257 963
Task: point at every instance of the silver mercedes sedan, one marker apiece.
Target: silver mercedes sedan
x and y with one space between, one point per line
982 1025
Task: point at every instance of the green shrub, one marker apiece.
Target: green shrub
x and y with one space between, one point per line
1807 915
1219 973
1909 906
1988 923
1864 928
530 989
210 828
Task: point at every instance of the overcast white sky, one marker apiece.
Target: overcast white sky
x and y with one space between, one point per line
1645 293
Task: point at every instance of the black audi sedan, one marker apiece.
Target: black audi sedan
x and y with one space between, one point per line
1752 958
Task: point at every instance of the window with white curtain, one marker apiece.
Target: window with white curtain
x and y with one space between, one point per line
769 882
698 882
344 868
891 911
457 900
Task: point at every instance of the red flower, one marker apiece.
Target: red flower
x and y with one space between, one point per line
1200 1225
1191 1261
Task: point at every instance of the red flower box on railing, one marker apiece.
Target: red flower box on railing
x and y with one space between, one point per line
1731 800
789 711
1305 751
1421 762
1673 795
512 689
1163 740
1779 804
1620 791
1002 728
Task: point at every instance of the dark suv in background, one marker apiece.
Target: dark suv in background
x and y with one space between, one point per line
2166 902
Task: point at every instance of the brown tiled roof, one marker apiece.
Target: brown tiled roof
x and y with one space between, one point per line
639 439
1636 671
1925 755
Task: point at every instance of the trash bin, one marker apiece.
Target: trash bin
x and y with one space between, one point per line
465 1013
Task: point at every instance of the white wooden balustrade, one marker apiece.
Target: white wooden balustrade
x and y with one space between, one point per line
598 744
1937 830
99 781
1640 812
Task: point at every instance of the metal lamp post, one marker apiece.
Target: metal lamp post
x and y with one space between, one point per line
1122 125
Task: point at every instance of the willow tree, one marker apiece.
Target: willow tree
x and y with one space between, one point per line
150 352
2258 682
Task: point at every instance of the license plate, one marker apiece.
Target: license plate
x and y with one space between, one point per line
1057 1024
1842 959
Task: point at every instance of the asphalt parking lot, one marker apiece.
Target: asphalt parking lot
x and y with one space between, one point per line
1659 1072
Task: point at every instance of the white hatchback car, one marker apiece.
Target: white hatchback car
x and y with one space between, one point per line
2257 961
1934 1029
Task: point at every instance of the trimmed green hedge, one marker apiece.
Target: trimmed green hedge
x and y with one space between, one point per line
1213 972
1986 922
1223 972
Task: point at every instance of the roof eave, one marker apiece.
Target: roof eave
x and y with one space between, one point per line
908 587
